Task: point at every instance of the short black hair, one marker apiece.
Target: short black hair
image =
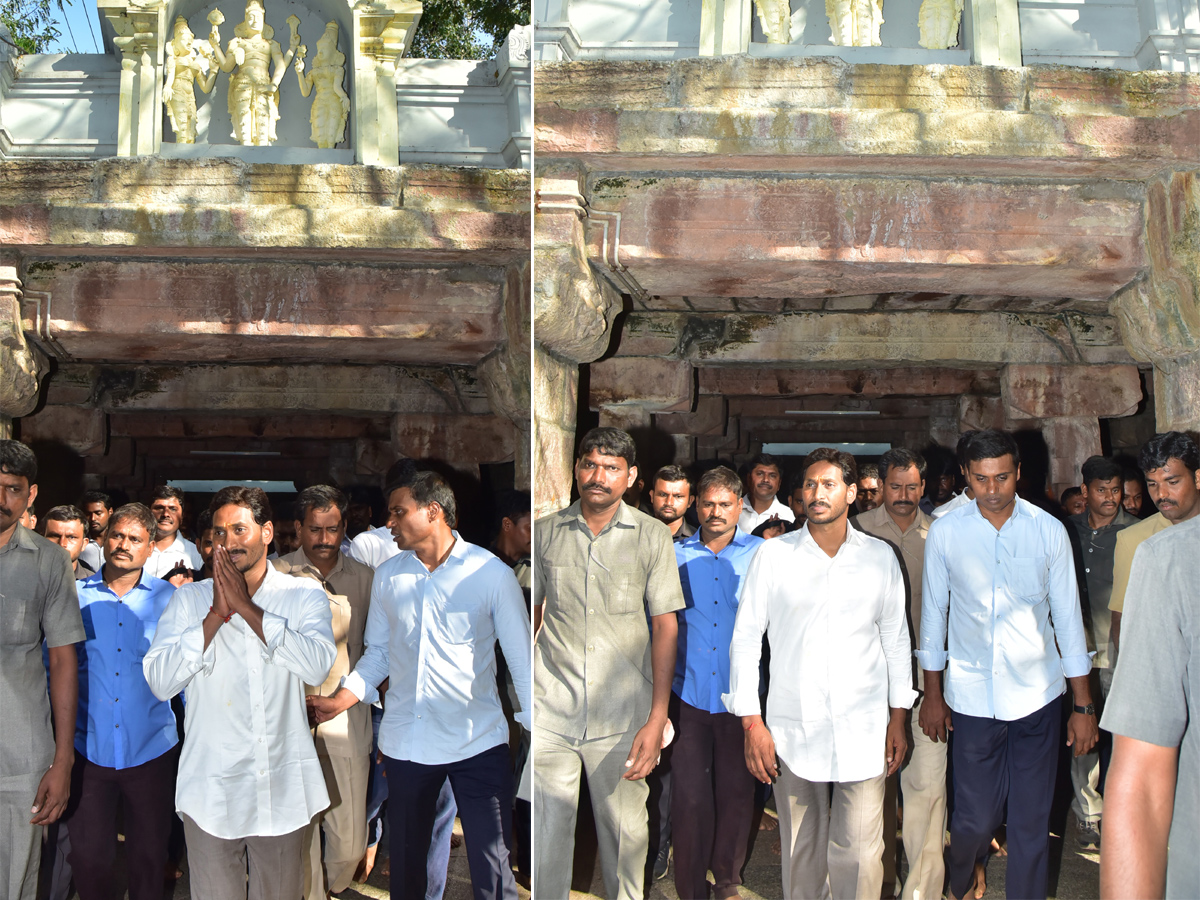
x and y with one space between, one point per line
203 522
608 441
670 474
317 497
1100 468
65 513
762 459
1162 448
1070 492
90 497
991 443
252 498
840 458
17 459
902 458
960 449
430 487
514 506
722 478
166 492
868 470
135 512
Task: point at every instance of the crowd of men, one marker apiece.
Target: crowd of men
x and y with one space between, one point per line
865 644
274 660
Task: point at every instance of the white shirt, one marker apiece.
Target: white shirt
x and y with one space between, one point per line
840 652
958 500
248 765
749 519
374 546
434 633
181 550
92 554
995 592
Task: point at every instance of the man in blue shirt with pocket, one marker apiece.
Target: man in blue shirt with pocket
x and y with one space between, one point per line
999 581
125 737
712 804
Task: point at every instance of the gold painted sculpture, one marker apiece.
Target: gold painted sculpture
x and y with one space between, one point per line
331 105
253 90
188 63
775 16
855 23
939 20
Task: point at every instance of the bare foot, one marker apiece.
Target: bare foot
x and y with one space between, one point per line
768 822
998 849
980 881
777 846
366 865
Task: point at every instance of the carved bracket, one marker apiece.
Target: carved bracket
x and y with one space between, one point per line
383 33
140 27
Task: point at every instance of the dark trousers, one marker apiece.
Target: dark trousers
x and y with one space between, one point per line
147 795
712 804
482 786
997 761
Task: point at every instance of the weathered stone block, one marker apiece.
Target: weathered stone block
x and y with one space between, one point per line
83 430
457 440
653 384
1043 392
863 382
1070 442
627 418
555 389
1177 394
977 413
707 419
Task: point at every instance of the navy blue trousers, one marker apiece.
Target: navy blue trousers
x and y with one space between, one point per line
997 762
482 786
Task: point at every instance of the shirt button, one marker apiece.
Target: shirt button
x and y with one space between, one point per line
591 647
260 740
1087 570
118 649
591 612
120 624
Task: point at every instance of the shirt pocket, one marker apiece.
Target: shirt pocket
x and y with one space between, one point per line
626 591
1027 578
19 625
458 627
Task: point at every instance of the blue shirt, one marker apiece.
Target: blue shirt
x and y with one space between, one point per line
711 585
996 603
120 723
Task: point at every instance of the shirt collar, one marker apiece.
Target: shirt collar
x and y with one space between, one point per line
740 539
622 518
96 579
298 559
22 537
854 538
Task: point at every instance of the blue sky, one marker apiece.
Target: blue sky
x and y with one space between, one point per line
79 16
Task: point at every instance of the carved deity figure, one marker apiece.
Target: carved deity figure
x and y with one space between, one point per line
253 90
188 63
855 23
939 23
775 16
331 104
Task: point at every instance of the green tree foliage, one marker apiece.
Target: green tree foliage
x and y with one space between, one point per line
31 23
465 29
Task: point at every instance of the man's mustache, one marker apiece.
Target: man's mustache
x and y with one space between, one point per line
597 487
324 547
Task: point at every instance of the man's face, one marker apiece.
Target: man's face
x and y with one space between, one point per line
410 524
68 535
994 482
205 546
796 505
764 483
1076 504
1132 497
285 537
868 493
718 509
1175 490
168 514
945 488
521 532
633 496
670 500
321 534
902 490
602 480
1103 498
827 497
127 545
16 493
97 515
246 541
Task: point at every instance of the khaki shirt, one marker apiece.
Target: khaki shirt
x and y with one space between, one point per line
592 669
349 590
1127 543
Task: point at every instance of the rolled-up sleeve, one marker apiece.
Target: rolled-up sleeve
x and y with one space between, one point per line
935 601
745 649
1064 605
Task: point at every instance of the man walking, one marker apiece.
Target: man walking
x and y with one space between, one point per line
170 547
603 679
37 600
712 800
902 523
999 581
344 742
763 479
67 527
125 737
97 506
244 645
839 696
670 499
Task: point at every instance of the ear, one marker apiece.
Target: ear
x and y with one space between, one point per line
506 524
851 492
32 494
297 524
633 474
1082 489
268 531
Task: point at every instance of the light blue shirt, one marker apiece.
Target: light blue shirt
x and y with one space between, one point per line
711 584
1004 597
434 634
120 723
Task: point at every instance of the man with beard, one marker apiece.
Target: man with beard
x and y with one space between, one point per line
170 547
670 498
125 737
839 697
37 600
1094 534
762 486
97 506
243 645
67 527
344 742
1133 493
1171 462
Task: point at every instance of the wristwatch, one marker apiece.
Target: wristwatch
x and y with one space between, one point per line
1089 710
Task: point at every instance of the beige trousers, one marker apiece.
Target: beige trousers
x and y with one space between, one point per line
923 783
344 824
832 845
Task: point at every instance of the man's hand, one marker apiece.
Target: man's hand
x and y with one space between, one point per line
935 718
895 744
646 749
322 709
1082 732
53 791
229 585
760 750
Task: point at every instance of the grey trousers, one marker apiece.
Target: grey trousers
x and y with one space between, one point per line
218 867
622 826
20 842
832 847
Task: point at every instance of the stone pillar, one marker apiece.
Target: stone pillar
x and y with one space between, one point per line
506 373
514 73
995 32
383 32
140 36
21 366
1070 442
725 27
555 394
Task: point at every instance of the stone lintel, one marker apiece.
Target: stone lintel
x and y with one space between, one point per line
1044 392
83 430
197 426
627 418
652 384
866 382
455 439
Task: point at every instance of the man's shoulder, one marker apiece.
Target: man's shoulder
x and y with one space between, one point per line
871 521
1173 539
1135 534
353 567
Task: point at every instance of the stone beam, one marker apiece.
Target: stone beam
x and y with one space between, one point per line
455 439
795 236
1045 392
652 384
194 311
865 382
197 426
707 419
83 430
861 340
